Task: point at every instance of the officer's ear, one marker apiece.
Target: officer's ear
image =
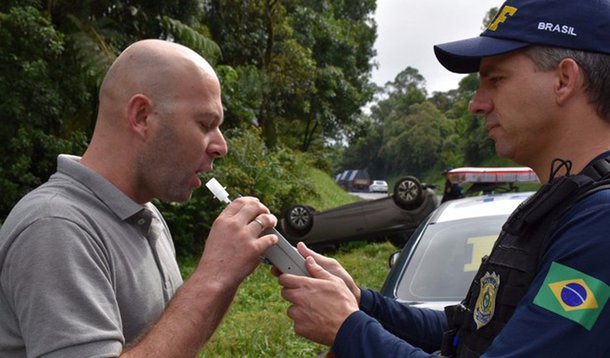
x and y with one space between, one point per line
569 80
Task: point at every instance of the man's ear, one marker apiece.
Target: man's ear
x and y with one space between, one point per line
569 80
139 110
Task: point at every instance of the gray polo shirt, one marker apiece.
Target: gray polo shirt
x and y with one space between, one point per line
79 276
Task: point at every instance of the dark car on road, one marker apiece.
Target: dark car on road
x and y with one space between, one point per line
393 217
435 268
354 180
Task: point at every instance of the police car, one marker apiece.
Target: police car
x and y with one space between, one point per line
438 263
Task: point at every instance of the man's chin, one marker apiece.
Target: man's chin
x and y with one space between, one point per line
504 152
178 199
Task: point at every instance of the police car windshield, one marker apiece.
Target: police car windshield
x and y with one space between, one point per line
446 259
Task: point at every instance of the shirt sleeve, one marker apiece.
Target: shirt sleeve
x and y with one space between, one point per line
582 244
58 284
386 328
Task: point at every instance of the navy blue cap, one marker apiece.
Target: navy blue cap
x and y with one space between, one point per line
573 24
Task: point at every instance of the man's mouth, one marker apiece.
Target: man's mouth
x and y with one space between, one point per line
491 125
196 182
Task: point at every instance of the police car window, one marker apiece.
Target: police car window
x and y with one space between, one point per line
447 258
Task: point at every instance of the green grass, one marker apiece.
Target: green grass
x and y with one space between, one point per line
256 324
330 194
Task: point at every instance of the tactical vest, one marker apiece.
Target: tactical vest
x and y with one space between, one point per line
506 274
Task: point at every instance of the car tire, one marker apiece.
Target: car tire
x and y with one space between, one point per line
408 193
299 218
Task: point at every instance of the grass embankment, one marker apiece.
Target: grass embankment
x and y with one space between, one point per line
257 325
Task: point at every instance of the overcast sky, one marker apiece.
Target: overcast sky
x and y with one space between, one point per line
407 30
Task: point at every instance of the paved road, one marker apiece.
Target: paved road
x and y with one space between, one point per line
369 196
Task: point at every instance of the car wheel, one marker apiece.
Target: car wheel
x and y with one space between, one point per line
299 218
408 193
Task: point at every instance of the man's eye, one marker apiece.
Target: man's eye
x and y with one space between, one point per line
495 79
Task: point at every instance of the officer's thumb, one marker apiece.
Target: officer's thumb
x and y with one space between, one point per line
315 270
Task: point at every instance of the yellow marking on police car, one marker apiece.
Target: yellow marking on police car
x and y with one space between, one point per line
481 246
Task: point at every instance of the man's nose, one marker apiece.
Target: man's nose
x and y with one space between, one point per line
480 105
219 147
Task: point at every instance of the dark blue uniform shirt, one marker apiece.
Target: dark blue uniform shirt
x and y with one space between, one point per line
385 328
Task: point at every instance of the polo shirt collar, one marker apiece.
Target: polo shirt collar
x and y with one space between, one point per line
122 206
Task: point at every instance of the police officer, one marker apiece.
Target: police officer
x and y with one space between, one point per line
451 190
544 94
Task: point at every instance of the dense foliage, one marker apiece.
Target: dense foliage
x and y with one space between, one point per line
295 76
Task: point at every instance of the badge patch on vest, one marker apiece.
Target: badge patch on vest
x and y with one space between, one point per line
486 302
573 295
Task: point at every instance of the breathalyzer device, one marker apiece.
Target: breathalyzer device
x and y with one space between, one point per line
282 255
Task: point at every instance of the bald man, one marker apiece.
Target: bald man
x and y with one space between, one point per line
87 264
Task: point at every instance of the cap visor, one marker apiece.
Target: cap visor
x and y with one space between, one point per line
465 56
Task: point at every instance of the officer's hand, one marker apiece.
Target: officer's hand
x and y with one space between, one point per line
320 303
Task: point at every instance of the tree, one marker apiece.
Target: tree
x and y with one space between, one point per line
365 140
343 34
373 142
37 114
412 143
313 61
397 96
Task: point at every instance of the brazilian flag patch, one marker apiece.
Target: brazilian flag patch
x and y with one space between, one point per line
573 295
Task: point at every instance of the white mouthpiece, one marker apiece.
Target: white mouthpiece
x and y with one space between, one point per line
218 190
